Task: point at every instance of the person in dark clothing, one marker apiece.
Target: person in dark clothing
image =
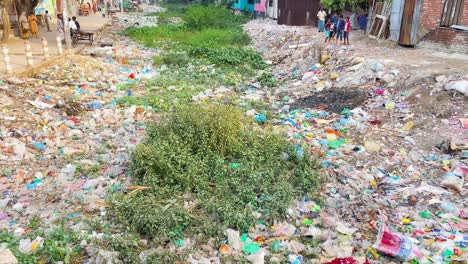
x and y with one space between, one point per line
340 29
78 27
334 20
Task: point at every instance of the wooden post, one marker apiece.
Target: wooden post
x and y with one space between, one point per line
6 22
6 59
27 49
59 45
45 48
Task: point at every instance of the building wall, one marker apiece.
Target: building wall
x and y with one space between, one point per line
272 11
243 5
431 13
260 7
298 12
446 39
465 14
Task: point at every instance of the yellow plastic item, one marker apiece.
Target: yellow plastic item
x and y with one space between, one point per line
324 59
34 245
331 136
373 252
408 126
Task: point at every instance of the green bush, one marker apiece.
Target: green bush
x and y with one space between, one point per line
207 170
175 58
267 79
231 56
200 17
216 38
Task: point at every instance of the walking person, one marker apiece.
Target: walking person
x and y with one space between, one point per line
321 15
48 20
25 28
103 11
32 19
347 30
339 29
61 27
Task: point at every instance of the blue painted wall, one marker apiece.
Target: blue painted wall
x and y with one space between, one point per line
243 5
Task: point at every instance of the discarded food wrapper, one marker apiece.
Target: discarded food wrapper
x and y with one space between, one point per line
395 245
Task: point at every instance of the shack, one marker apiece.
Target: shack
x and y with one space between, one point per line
440 22
272 9
298 12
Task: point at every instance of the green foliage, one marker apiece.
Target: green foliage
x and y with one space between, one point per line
61 244
152 36
207 170
267 79
213 37
167 257
199 17
339 5
231 56
175 58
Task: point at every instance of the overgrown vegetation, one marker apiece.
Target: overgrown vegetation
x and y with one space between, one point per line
205 169
204 51
60 244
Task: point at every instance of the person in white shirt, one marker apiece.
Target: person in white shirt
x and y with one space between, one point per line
72 25
321 15
48 19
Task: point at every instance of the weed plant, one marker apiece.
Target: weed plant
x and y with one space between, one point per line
207 170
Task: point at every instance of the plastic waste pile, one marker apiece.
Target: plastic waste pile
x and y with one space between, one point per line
65 137
393 150
391 195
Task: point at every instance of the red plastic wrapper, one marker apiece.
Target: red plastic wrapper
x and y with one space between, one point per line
395 245
345 261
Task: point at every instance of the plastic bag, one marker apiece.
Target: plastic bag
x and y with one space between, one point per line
395 245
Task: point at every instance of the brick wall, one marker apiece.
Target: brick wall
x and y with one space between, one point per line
446 39
431 13
464 21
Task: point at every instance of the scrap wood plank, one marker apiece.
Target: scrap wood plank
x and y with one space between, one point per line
380 19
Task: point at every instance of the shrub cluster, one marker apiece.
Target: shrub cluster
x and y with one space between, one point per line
207 169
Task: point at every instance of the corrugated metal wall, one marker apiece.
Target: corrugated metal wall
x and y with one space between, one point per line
298 12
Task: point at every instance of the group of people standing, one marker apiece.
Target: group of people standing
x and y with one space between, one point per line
30 24
334 27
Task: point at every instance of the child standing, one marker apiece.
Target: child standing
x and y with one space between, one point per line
327 31
334 20
340 29
347 30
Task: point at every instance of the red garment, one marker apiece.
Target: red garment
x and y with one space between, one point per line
347 27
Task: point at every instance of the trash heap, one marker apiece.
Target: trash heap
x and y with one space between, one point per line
393 149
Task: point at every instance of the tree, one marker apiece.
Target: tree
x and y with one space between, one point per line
26 6
338 5
6 20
